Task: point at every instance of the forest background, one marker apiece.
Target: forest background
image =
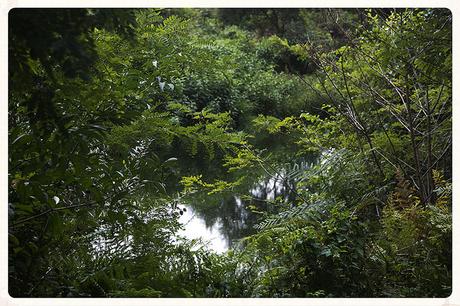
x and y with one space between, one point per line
118 117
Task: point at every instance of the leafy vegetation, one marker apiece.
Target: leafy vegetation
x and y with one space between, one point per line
120 120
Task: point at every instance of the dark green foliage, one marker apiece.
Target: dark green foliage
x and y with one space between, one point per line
118 119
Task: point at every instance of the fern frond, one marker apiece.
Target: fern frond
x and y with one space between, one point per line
306 212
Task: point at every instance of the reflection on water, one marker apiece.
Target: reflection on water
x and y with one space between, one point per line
195 228
224 220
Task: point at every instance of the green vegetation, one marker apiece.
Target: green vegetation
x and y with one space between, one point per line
118 119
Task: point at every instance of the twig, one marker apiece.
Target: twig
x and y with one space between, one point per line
49 211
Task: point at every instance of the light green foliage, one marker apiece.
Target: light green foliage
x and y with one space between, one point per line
244 159
311 133
389 86
191 183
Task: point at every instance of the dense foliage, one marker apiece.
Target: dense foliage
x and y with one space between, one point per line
119 117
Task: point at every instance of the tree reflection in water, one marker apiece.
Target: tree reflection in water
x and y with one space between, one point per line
221 220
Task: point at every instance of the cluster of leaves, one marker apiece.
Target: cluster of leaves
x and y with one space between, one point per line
241 79
414 246
92 158
342 242
116 116
370 220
